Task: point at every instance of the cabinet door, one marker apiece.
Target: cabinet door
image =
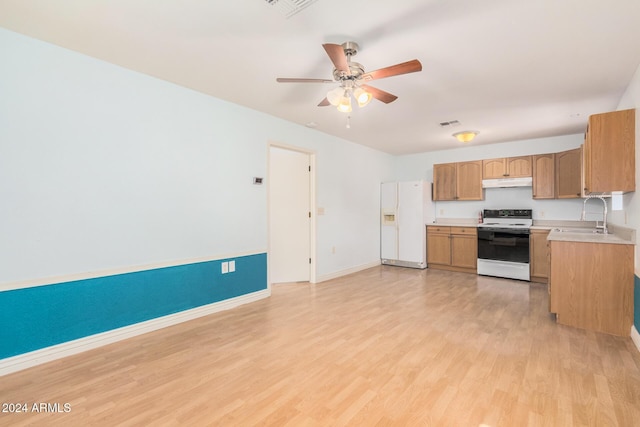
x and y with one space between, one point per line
438 248
569 174
610 152
494 168
539 254
444 181
518 167
544 176
464 251
469 181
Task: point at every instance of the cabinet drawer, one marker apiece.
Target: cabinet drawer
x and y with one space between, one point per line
467 231
438 229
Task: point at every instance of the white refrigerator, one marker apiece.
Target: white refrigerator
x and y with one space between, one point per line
405 209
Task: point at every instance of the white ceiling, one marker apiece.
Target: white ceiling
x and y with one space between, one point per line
510 69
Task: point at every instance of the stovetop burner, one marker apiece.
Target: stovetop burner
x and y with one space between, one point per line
507 218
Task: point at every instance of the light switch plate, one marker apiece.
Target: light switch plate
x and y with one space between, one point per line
232 266
225 267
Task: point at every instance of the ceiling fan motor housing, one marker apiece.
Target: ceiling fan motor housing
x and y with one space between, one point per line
356 69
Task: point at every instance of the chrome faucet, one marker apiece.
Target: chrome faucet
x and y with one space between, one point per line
583 216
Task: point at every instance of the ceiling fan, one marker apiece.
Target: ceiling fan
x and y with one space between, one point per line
352 78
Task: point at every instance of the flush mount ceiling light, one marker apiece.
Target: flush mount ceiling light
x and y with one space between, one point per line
466 135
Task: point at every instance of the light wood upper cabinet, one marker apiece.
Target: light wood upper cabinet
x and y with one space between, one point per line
518 167
493 168
609 152
458 181
444 181
510 167
568 181
544 176
469 181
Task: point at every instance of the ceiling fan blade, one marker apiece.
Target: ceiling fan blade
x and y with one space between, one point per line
324 103
394 70
337 56
379 94
292 80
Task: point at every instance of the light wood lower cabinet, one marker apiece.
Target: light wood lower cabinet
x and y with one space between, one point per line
539 256
452 248
591 286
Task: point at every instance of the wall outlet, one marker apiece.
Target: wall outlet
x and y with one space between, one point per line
333 249
541 213
232 266
441 212
225 267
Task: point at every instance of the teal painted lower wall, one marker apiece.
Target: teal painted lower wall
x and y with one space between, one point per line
39 317
636 302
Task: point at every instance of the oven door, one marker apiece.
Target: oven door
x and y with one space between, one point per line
503 244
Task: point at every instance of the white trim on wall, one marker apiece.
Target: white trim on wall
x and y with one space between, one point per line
43 281
347 271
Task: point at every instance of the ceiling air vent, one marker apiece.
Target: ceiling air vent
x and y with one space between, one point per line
290 7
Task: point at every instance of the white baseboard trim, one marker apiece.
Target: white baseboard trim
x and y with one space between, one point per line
351 270
635 336
48 354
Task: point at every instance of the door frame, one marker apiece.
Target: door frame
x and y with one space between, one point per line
312 207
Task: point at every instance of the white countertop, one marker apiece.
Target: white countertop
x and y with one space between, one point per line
572 231
617 235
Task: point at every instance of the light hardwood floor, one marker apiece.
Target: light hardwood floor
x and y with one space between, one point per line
384 347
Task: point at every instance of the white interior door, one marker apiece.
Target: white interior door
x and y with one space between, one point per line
289 215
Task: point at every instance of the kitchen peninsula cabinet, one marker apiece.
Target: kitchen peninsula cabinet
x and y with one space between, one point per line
544 176
591 285
509 167
539 255
609 152
568 176
458 181
452 248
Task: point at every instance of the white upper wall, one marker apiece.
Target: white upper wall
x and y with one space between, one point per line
103 168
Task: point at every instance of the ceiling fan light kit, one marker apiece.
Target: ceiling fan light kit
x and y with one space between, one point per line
465 136
344 105
351 77
362 96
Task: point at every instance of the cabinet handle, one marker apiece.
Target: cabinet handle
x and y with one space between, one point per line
505 174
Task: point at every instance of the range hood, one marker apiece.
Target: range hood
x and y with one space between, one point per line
507 182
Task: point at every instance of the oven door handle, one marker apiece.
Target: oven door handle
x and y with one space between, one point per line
503 241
